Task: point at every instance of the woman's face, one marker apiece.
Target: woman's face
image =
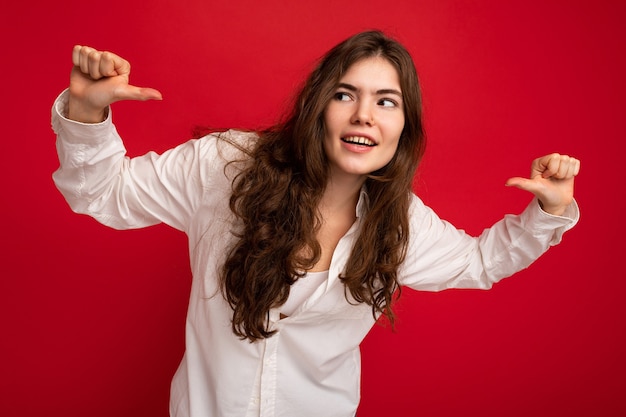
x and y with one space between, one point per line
364 119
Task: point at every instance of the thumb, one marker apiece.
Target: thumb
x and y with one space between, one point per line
131 92
524 184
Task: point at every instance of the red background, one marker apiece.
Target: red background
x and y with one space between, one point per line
92 319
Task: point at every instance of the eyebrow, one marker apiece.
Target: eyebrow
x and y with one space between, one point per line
383 91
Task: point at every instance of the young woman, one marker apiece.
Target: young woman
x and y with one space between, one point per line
300 236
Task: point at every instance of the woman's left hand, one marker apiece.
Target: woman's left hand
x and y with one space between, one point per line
551 181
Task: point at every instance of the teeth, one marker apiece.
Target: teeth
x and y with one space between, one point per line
359 140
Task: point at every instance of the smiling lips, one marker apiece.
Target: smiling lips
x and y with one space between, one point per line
358 140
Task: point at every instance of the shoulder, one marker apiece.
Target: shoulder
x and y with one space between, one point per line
240 138
225 146
417 209
423 220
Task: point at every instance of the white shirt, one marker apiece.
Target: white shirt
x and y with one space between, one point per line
311 366
302 289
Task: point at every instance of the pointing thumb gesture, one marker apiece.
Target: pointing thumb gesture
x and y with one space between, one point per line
99 79
551 181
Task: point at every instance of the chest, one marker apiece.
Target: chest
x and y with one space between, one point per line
333 228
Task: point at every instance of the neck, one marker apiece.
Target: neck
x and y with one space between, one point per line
342 193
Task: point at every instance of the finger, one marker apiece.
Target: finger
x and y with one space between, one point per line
83 59
562 167
107 64
131 92
577 167
523 184
120 65
539 165
574 167
564 163
149 94
94 64
99 64
76 55
551 165
112 65
571 168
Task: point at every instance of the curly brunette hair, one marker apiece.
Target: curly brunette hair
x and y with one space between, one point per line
276 198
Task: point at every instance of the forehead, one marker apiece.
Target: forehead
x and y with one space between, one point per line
372 73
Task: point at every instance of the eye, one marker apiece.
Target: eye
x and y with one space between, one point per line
342 96
387 102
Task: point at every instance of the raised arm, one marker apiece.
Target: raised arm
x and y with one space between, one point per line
98 79
441 256
95 175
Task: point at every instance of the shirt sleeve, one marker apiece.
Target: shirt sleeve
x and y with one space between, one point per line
439 256
97 178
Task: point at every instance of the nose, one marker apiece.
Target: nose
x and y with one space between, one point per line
363 113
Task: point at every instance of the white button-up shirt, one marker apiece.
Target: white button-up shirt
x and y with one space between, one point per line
311 366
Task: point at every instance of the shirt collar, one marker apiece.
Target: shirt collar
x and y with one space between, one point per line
362 206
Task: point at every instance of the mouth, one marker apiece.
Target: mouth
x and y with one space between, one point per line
358 140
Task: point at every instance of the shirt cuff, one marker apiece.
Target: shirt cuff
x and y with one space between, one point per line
78 132
542 224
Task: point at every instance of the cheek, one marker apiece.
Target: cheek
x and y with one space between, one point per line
332 127
394 143
393 131
393 148
331 119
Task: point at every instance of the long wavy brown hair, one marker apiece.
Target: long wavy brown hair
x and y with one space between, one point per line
276 198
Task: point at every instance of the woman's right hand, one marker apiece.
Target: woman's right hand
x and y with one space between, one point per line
97 80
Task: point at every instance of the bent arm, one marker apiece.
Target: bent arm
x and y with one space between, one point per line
440 256
98 179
